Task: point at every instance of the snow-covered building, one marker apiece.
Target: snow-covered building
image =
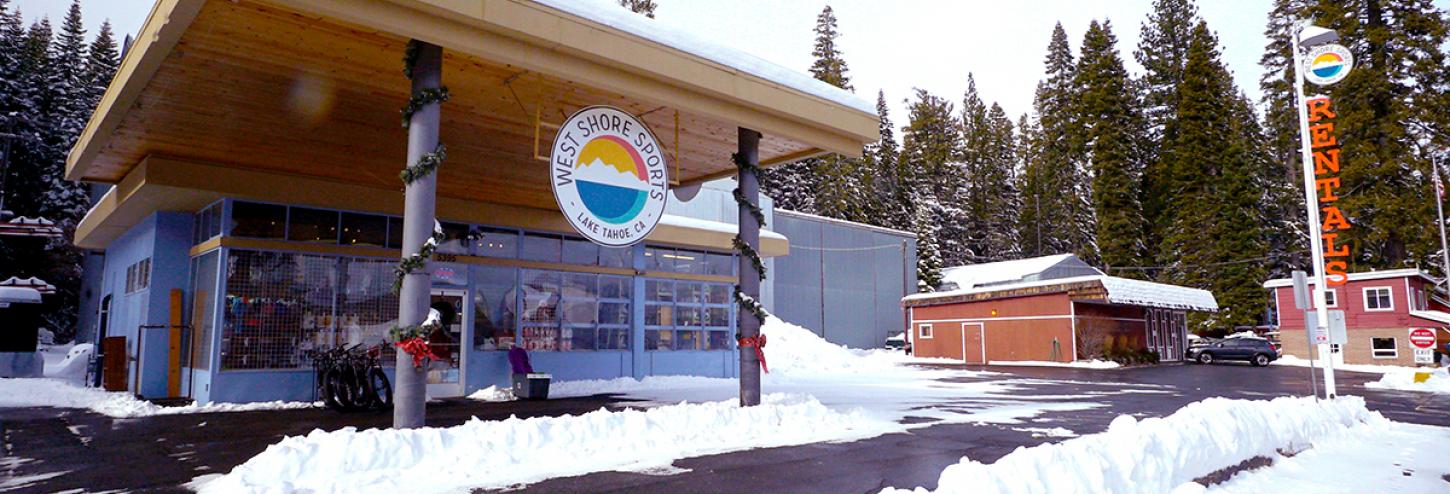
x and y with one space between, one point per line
1381 308
255 148
1051 308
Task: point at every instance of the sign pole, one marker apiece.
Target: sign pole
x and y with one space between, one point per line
1311 206
1440 213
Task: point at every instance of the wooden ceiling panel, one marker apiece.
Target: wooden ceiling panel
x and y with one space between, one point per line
324 101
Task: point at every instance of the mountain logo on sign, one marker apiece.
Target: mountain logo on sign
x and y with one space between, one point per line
611 179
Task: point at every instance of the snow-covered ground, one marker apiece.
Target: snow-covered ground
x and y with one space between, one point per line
50 392
1080 364
1159 455
815 392
1291 360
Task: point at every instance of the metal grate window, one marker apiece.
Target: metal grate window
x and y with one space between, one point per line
277 305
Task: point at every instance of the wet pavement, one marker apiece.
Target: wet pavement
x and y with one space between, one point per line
54 450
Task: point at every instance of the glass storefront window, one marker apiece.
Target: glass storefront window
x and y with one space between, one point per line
575 311
656 259
495 298
277 306
366 304
207 224
540 247
456 238
395 233
616 257
580 251
255 220
492 242
312 225
687 315
364 229
720 264
203 310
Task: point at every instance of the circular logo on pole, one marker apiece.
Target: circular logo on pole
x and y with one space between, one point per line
1327 64
609 176
1422 338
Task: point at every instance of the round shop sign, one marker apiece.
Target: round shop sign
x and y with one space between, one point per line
609 176
1327 64
1422 338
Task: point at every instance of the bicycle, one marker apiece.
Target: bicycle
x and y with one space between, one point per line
351 378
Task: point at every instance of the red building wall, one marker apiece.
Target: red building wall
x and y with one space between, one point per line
1406 293
1018 328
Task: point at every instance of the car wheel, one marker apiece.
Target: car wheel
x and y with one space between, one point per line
1205 358
1261 360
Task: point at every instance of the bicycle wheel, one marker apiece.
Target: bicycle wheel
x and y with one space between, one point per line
338 388
380 389
324 391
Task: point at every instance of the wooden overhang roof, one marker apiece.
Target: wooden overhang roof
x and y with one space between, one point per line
313 89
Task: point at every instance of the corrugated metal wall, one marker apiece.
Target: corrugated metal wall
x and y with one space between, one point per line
843 280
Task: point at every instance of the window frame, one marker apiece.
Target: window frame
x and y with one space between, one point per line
1390 295
924 331
1394 348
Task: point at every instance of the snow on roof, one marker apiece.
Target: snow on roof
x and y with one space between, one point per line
664 32
708 225
1119 291
975 275
1433 315
1147 293
32 283
18 295
1370 275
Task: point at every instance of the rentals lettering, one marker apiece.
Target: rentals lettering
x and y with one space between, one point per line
1324 141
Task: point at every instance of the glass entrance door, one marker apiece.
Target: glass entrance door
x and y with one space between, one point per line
445 373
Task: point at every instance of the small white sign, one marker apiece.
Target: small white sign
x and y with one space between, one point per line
1424 356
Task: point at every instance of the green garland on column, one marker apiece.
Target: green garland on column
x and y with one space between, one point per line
746 302
425 166
418 260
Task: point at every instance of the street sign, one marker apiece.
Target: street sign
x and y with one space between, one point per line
1301 291
1424 356
1422 338
1337 333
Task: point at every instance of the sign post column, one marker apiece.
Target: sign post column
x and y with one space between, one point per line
749 152
410 392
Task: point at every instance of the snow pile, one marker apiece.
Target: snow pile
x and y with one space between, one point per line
72 367
1403 379
57 393
1293 361
1245 334
1399 458
792 349
1156 455
493 393
498 454
1081 364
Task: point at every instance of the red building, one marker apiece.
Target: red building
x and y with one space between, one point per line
1053 308
1380 308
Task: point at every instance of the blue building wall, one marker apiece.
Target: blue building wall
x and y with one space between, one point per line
164 238
842 280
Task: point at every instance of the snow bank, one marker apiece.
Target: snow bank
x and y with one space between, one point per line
497 454
793 349
1156 455
493 394
1403 379
1081 364
1396 457
1293 361
57 393
71 367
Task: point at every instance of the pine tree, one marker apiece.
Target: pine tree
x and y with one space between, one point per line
1109 121
930 150
973 189
889 203
1058 217
101 64
1241 225
1384 109
798 186
1193 160
646 7
1001 209
1288 242
1163 53
928 256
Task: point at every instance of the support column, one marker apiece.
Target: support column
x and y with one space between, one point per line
410 392
749 149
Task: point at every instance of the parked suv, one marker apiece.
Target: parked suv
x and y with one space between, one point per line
1256 351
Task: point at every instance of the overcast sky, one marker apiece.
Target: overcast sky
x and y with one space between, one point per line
894 45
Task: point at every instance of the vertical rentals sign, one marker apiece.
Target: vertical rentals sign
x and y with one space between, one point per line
609 176
1325 63
1324 142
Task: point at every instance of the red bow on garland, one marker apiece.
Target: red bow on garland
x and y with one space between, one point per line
418 348
758 342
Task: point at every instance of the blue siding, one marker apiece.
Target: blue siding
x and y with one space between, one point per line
165 238
843 281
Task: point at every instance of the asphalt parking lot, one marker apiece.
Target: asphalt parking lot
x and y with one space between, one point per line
159 454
